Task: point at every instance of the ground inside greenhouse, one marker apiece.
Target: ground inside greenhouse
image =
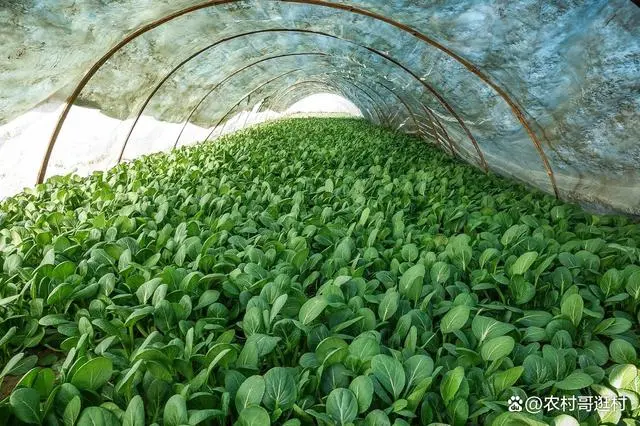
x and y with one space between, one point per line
316 271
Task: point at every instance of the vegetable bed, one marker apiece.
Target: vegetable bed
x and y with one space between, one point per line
314 271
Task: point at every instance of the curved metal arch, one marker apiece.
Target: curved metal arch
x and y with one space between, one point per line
430 89
429 115
347 77
369 94
317 79
195 108
516 109
400 100
382 99
325 83
364 88
177 67
425 85
231 75
404 103
436 136
442 102
518 112
340 76
254 90
215 127
438 97
302 31
344 78
444 131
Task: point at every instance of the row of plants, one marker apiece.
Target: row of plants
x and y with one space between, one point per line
315 271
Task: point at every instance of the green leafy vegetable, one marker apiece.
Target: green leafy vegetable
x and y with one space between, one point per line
310 271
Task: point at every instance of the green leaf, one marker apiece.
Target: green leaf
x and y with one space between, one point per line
440 272
455 319
523 263
342 406
377 418
97 416
574 381
513 234
9 300
280 389
535 318
572 308
516 419
497 348
25 403
254 416
278 304
633 285
137 315
175 411
458 411
362 388
625 377
93 374
14 364
252 322
389 305
248 357
565 420
417 368
134 416
311 309
389 373
364 347
146 290
487 255
486 328
263 343
410 253
610 282
608 414
503 380
451 383
12 264
60 294
207 298
250 392
44 382
197 417
411 281
622 352
612 326
71 411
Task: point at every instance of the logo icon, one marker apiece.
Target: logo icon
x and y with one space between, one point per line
515 403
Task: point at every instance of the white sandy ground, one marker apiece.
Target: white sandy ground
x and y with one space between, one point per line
91 141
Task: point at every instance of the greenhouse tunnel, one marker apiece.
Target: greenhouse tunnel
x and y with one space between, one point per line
545 93
319 212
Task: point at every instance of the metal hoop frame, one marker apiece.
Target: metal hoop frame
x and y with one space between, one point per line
516 109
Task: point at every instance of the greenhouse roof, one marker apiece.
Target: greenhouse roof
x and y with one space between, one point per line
545 92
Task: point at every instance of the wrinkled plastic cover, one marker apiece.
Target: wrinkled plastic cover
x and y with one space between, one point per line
573 67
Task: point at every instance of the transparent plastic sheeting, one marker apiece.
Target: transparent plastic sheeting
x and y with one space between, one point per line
569 70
